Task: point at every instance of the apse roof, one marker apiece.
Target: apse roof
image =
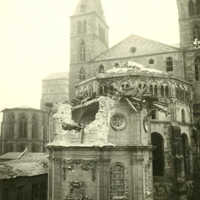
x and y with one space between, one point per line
135 45
134 67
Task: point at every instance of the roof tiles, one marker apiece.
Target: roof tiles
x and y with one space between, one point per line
135 46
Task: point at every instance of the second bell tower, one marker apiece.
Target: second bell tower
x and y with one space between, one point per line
88 38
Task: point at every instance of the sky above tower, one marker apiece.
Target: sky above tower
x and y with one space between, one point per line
34 38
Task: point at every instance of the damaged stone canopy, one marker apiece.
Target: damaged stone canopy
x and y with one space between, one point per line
69 133
134 80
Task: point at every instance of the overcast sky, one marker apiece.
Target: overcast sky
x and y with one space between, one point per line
34 38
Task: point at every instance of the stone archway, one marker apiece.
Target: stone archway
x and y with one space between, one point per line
186 154
158 154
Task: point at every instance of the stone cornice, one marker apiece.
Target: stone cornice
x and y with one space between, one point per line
139 75
104 148
170 123
128 57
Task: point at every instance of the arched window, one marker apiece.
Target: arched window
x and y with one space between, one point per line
151 61
11 125
101 69
116 65
166 91
169 64
186 156
196 32
191 8
197 68
85 26
82 74
23 126
158 154
79 27
155 90
117 181
178 93
153 114
34 126
151 89
82 51
198 6
182 94
162 92
183 115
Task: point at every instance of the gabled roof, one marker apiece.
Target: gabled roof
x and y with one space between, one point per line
28 156
87 6
31 164
135 68
16 169
135 46
10 156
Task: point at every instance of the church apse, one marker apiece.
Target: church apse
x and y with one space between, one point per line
103 144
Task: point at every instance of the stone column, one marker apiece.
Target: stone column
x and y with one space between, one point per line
138 176
29 128
50 175
3 136
104 181
56 178
131 180
16 128
159 91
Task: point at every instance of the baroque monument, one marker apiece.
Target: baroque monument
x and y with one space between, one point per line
132 128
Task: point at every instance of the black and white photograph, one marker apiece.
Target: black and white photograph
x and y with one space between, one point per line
100 100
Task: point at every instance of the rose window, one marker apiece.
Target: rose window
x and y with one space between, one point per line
118 121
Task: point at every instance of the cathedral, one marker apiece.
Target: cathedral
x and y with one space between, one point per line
132 128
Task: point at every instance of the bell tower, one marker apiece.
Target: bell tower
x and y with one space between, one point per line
189 25
88 38
189 22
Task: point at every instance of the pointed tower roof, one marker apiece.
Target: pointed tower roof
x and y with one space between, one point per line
87 6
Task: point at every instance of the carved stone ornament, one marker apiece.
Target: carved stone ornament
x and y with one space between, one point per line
118 122
145 124
85 165
77 191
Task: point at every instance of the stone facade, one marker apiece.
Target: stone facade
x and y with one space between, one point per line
120 130
54 90
99 165
162 141
89 36
24 128
183 59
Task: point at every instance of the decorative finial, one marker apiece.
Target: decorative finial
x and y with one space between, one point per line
196 43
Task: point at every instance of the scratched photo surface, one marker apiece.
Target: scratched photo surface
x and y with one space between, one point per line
100 100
